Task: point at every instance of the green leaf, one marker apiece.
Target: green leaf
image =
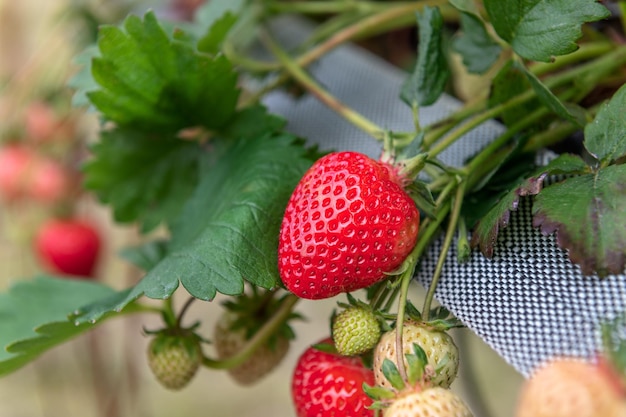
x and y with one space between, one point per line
423 198
429 78
485 234
228 230
542 29
571 113
211 12
144 178
146 256
467 6
212 40
34 316
507 84
252 122
605 137
148 80
587 214
390 371
478 50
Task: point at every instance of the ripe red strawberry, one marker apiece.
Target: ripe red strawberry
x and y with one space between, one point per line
429 402
570 387
348 222
174 360
330 385
438 346
68 246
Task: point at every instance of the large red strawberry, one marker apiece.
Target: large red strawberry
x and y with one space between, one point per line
68 246
330 385
348 222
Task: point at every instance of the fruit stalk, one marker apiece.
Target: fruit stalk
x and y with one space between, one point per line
457 203
258 339
319 92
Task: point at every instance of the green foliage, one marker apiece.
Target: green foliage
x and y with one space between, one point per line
587 214
542 29
508 83
34 316
605 137
144 178
146 256
228 229
478 49
486 232
547 97
502 202
431 72
148 80
586 211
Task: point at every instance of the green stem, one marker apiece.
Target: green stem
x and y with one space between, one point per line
379 297
427 232
391 298
321 93
406 278
487 152
169 317
454 218
584 52
332 7
183 310
259 338
592 71
369 26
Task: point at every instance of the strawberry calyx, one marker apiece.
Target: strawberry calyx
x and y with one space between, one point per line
251 311
169 337
419 375
439 319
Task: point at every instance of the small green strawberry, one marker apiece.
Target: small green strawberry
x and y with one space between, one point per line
243 316
174 359
355 330
441 351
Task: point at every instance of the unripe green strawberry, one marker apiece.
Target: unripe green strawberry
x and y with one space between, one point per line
174 360
355 331
229 341
430 402
438 346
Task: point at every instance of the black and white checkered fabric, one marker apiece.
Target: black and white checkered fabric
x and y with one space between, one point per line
528 302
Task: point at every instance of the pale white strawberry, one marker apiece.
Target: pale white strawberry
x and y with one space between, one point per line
440 349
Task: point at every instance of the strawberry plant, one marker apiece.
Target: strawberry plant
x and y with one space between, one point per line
229 203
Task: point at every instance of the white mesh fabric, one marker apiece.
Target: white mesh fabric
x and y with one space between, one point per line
528 302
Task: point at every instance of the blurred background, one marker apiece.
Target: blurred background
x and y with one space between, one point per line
104 373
